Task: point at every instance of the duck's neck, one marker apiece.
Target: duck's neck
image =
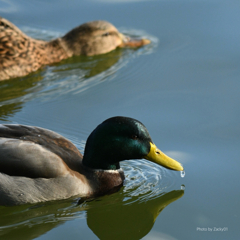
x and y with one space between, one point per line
56 50
109 181
103 181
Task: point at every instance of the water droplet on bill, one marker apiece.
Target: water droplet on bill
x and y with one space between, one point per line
182 187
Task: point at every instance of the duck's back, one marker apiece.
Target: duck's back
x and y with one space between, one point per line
20 54
23 148
37 165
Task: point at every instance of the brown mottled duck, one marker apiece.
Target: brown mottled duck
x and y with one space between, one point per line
21 54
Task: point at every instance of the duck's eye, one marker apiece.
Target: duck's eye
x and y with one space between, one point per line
106 34
134 137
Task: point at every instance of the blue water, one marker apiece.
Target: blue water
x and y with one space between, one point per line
184 87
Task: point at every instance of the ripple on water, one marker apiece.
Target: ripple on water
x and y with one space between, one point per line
147 180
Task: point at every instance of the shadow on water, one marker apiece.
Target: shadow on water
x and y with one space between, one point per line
109 217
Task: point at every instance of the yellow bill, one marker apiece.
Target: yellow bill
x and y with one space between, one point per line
156 156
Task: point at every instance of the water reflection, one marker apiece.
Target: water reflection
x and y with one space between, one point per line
90 66
109 217
115 220
54 79
13 94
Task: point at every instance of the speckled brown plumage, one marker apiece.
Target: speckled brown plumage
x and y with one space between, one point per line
20 54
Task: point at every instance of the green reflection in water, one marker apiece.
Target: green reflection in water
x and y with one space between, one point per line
118 219
91 66
109 217
12 91
16 91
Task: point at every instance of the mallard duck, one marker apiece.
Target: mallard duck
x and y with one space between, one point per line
20 54
39 165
